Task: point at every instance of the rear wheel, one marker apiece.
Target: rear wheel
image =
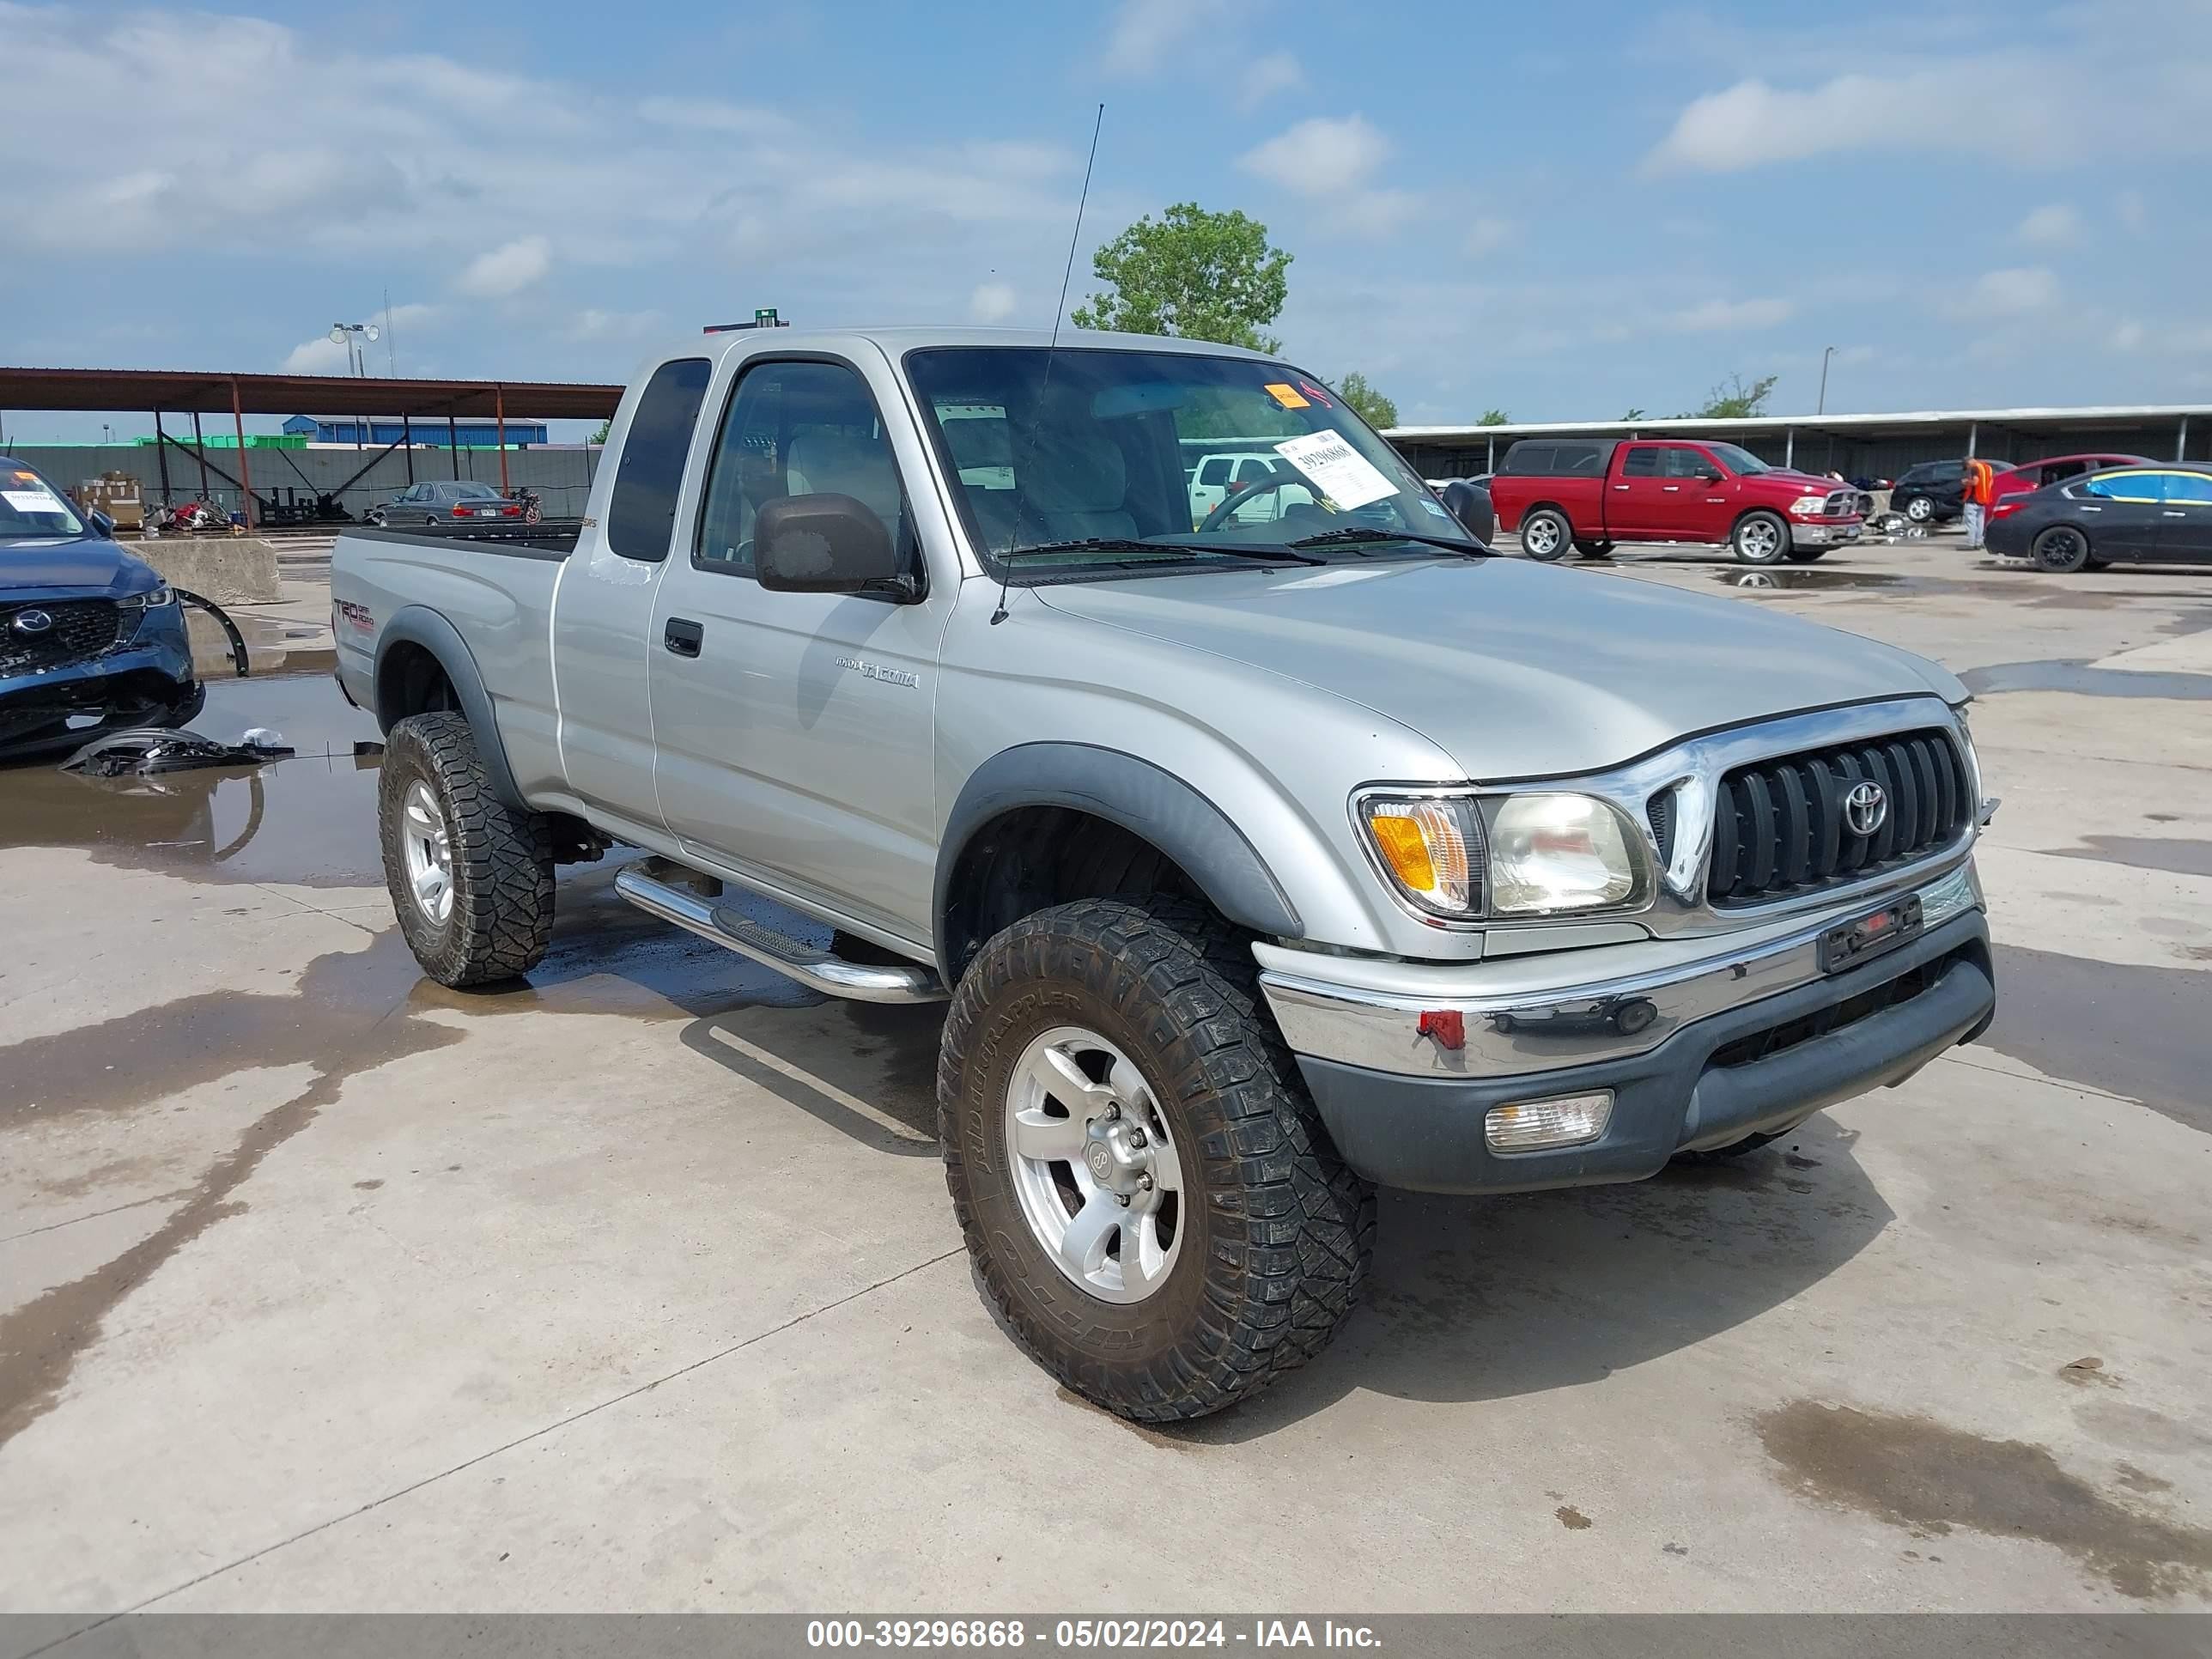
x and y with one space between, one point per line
1805 555
1546 535
1919 509
471 877
1588 549
2062 550
1760 538
1146 1188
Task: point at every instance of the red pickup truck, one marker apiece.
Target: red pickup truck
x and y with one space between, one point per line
1589 494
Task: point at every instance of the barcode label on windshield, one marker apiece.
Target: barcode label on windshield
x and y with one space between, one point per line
1341 472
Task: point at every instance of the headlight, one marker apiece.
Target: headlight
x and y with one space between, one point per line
149 600
1808 504
1431 847
1560 851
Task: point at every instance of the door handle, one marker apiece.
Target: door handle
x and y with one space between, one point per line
1620 486
683 636
2171 514
1671 489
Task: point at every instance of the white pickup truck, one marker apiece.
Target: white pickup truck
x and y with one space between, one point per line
1261 862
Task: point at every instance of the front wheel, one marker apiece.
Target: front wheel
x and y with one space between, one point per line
471 877
1760 538
1144 1186
2062 550
1546 534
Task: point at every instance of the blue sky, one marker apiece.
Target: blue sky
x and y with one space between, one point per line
1560 211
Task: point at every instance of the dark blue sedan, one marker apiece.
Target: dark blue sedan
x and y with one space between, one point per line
91 638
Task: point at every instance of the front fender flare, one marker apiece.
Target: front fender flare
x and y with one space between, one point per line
1142 798
418 624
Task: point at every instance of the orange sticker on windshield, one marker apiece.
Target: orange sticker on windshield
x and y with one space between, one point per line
1287 395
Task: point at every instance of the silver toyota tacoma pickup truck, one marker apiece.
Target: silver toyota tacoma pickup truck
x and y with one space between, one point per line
1263 858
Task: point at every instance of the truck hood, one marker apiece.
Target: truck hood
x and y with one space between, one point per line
1513 669
83 567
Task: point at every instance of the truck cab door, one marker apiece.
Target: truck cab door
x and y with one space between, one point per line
603 610
795 736
1692 508
1631 492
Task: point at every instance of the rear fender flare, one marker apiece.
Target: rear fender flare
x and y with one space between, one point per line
418 624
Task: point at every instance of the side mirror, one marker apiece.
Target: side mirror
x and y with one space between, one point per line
1710 476
824 544
102 523
1471 505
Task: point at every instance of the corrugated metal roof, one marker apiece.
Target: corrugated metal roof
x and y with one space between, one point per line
2089 415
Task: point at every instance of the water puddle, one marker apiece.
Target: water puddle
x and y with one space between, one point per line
1825 581
2076 676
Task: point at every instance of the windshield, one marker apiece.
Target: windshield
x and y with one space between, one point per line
1175 461
1738 460
30 508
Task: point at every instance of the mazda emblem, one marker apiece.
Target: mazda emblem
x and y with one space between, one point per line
1865 807
32 621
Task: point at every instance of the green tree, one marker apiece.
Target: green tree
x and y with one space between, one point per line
1733 400
605 426
1197 274
1633 415
1364 400
1495 417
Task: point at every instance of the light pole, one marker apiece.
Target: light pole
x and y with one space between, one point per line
351 335
1820 408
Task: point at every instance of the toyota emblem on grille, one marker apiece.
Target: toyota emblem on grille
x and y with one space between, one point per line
1865 807
32 621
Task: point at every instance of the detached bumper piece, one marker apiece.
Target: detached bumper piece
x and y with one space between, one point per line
1749 1070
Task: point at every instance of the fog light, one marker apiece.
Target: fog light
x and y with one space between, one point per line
1529 1126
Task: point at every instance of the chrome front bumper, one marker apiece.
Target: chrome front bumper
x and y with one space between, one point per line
1823 535
1519 1015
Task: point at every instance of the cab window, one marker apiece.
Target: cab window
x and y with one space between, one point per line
2123 486
641 513
1689 463
2193 488
1215 471
1641 462
796 428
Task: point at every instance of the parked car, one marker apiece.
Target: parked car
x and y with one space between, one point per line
456 500
90 638
2056 469
1229 473
2154 514
1932 493
1213 839
1592 495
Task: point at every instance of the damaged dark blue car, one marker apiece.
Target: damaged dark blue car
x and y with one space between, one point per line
91 638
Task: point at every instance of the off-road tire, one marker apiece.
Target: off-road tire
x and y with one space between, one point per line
1563 541
1737 538
503 858
1805 555
1280 1230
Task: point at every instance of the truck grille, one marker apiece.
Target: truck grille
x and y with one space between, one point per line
78 630
1841 503
1781 826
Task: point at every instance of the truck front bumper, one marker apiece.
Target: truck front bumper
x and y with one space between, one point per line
1831 532
1693 1056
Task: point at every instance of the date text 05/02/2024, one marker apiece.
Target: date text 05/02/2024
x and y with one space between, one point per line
1085 1634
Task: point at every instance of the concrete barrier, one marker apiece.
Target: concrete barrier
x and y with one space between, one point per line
229 569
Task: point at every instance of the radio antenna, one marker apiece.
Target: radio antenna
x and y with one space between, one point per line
1044 381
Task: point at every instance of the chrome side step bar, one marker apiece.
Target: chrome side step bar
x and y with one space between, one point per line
809 965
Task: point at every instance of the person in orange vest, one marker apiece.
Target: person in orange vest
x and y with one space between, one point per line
1976 488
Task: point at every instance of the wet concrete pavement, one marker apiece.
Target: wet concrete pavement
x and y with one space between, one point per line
636 1286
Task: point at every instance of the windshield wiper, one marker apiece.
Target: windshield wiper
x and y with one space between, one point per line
1352 536
1130 544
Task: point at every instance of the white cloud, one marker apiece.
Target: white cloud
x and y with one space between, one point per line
1728 316
1996 103
412 315
991 302
1144 31
1264 77
2056 224
1319 157
594 324
2134 212
712 115
2016 292
507 270
2128 336
1486 236
320 356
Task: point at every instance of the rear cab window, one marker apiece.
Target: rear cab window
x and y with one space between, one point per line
641 513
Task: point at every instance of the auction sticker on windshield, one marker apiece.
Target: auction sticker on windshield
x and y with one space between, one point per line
1345 475
31 500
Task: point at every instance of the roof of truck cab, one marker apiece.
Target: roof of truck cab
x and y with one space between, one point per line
893 341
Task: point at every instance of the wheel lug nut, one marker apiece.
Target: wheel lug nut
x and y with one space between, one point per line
1136 1137
1124 1200
1144 1181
